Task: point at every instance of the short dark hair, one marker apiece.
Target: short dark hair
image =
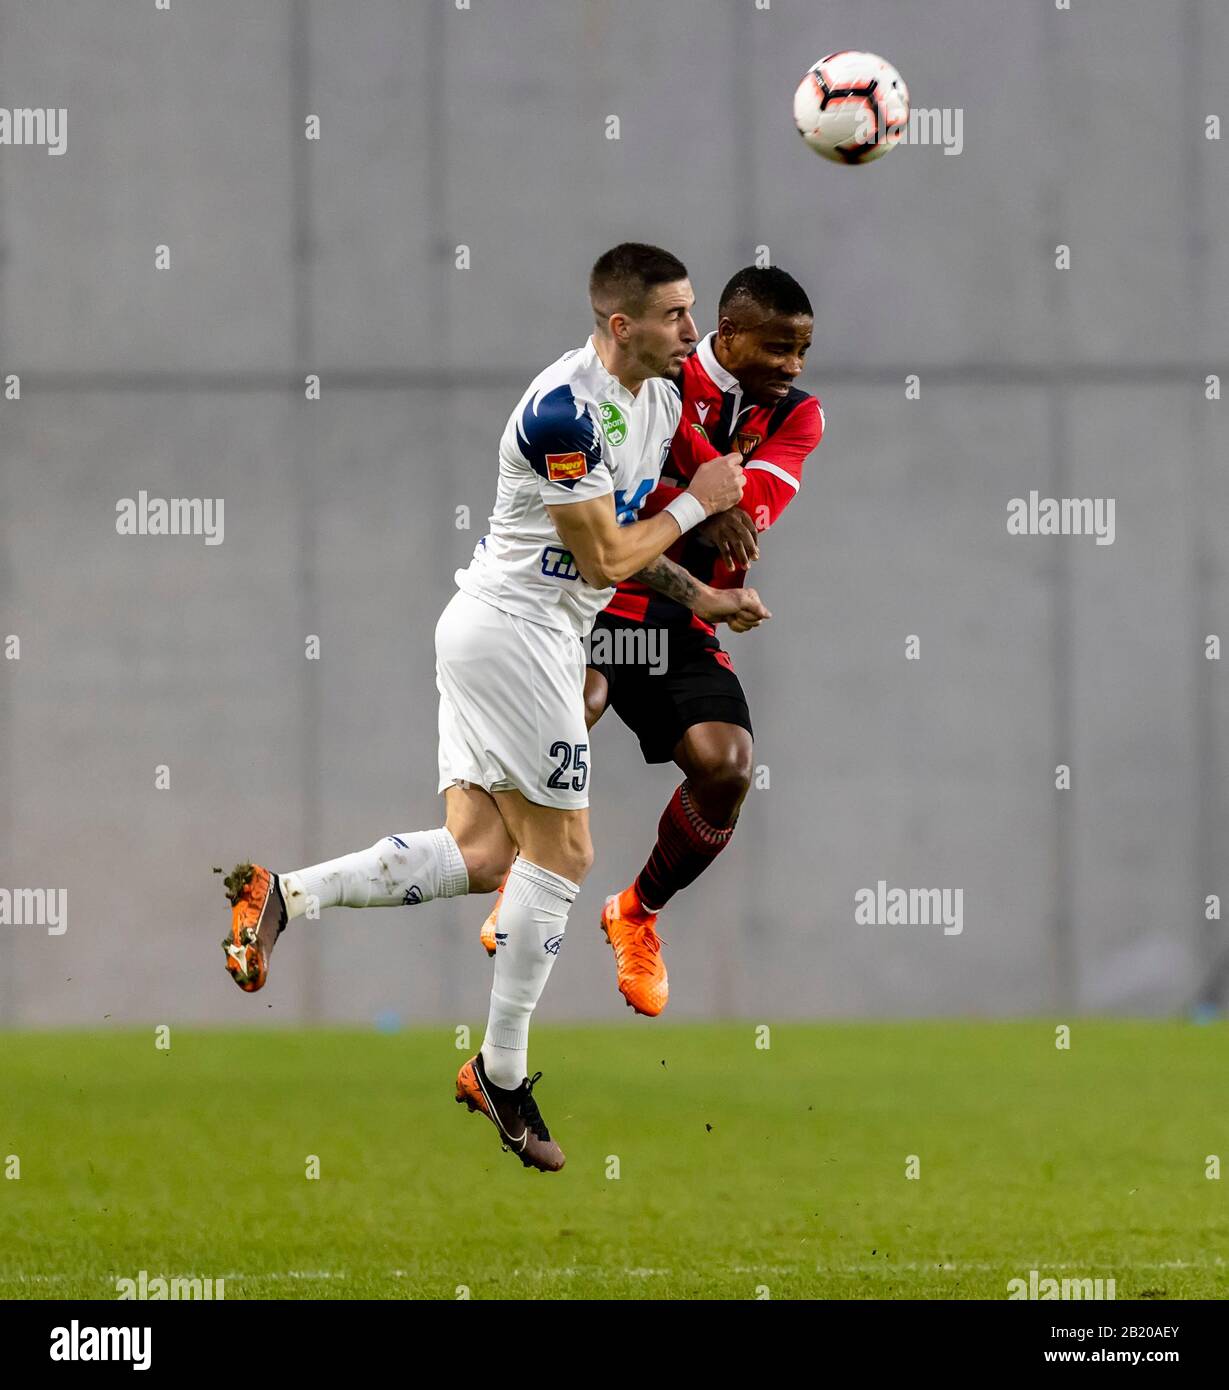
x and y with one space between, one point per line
766 287
622 277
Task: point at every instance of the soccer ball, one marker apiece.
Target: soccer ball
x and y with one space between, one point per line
851 107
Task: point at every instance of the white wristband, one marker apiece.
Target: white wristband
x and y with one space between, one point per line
687 510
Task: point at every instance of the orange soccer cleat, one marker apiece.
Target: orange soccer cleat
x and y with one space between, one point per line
488 927
257 919
637 947
487 935
515 1114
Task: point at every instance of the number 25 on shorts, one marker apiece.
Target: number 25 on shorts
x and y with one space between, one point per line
573 758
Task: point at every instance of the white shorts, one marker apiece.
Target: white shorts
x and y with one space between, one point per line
512 705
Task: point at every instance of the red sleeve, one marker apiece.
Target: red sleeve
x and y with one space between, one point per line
774 470
767 492
689 448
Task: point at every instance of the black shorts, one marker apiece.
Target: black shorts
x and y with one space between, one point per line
696 683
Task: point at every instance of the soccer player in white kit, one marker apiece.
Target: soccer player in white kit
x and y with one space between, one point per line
580 453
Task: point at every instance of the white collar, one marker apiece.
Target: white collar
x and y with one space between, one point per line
717 373
611 384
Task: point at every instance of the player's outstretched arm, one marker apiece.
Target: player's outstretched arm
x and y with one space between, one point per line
607 553
741 608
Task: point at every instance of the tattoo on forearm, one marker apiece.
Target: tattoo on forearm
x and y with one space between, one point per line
670 579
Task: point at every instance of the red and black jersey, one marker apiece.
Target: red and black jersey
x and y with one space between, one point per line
774 440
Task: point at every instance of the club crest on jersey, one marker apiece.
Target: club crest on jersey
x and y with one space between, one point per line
747 441
701 431
561 468
614 426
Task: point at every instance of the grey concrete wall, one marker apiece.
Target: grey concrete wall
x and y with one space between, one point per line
486 128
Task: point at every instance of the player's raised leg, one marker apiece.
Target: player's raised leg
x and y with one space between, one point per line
694 828
701 815
470 852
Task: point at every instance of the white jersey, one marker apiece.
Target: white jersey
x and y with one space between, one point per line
577 433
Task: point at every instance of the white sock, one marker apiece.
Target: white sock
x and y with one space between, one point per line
533 915
399 870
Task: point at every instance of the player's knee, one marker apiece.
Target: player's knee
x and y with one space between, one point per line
490 875
580 861
487 863
725 769
576 849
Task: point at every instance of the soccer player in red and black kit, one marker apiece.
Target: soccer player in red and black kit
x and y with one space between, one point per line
738 396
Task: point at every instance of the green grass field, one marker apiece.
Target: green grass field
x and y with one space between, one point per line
1088 1162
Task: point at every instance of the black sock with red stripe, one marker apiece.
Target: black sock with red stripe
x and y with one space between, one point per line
686 845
